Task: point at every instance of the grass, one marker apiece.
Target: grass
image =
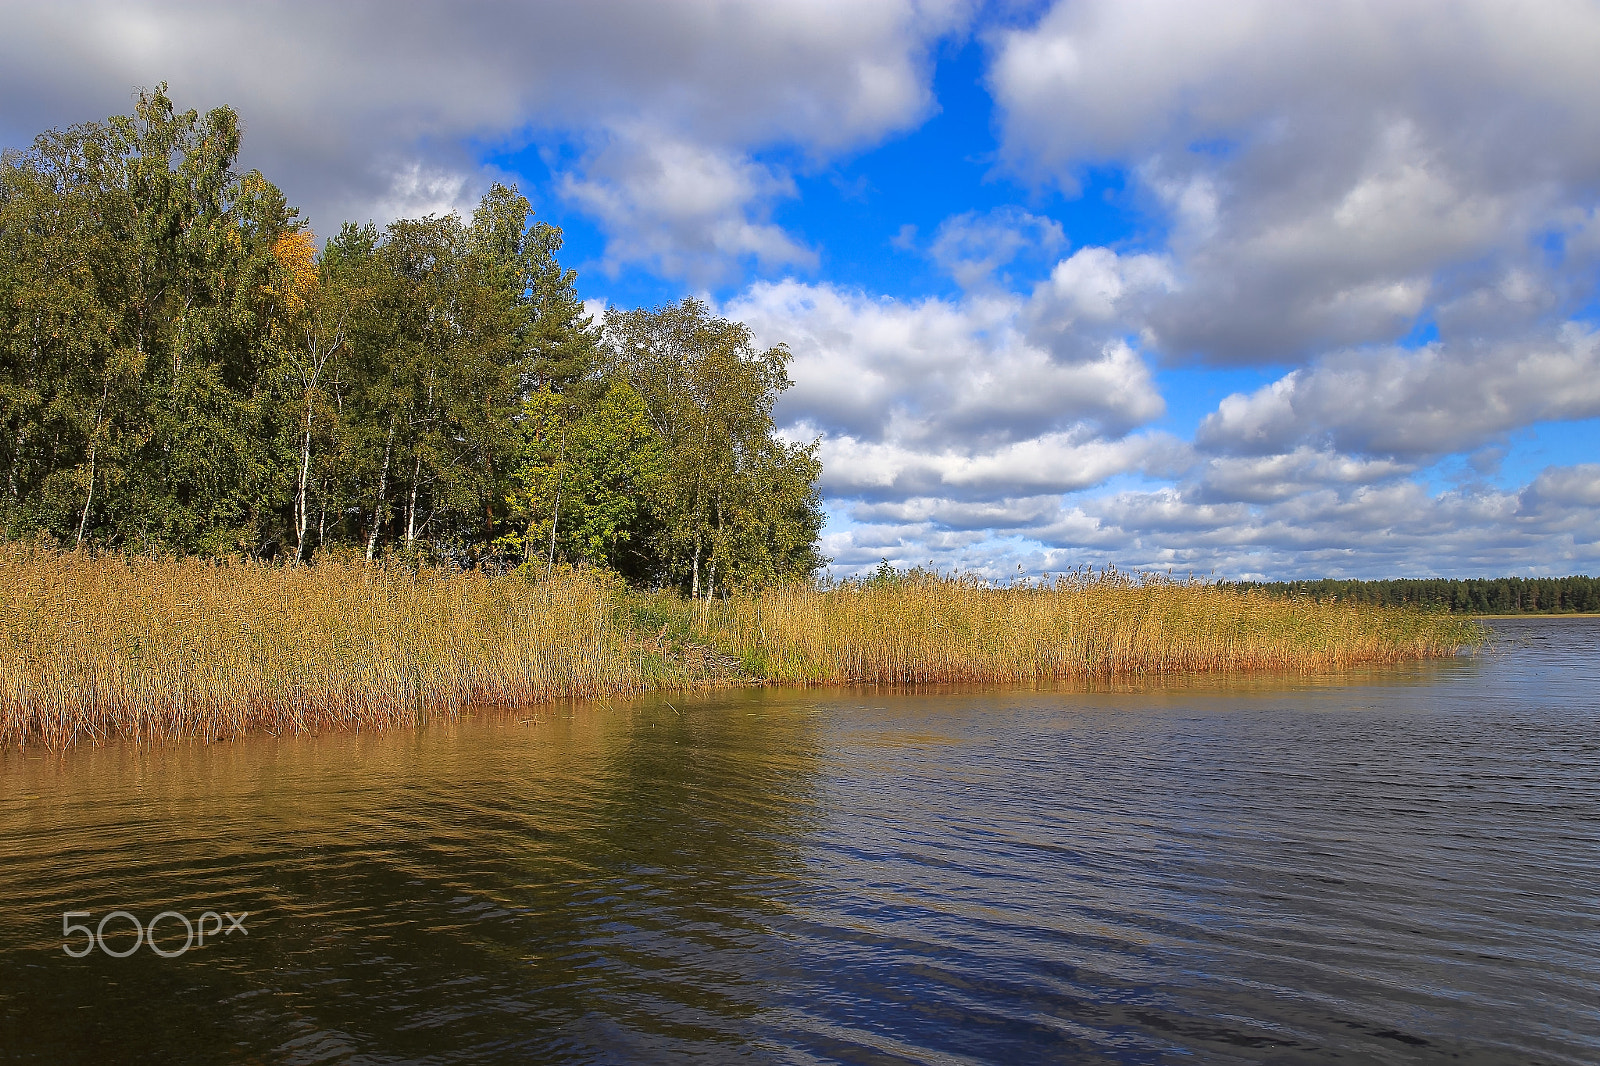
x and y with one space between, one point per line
929 628
97 646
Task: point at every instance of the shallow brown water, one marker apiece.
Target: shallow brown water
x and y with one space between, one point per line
1391 866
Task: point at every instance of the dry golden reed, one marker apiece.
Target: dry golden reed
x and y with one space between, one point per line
96 646
927 628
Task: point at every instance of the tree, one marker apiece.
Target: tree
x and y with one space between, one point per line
312 314
149 256
709 395
585 487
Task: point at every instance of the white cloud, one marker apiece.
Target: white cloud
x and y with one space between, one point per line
934 374
1053 462
1566 491
1113 79
1094 291
415 189
1330 171
1269 478
1389 529
1416 404
974 248
961 400
997 514
681 208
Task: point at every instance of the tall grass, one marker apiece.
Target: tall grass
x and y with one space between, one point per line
92 647
95 646
929 628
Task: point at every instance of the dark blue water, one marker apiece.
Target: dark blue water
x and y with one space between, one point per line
1392 866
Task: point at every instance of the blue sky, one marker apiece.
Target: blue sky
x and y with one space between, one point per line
855 210
1239 288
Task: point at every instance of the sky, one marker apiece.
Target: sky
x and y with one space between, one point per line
1237 289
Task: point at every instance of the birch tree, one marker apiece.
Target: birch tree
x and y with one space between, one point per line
709 395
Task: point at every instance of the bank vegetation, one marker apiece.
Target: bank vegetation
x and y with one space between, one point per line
96 646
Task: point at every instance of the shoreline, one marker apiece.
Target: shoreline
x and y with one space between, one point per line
566 708
100 646
1099 682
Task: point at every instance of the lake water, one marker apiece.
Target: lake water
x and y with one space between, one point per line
1397 865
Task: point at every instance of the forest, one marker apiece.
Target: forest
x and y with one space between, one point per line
1501 595
185 370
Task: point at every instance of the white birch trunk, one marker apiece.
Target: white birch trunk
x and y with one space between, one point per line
411 505
300 492
383 484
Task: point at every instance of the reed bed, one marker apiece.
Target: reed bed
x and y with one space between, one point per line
928 628
96 646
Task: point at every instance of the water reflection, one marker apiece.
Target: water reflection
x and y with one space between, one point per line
1388 866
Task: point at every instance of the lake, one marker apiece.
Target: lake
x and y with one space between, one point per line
1395 865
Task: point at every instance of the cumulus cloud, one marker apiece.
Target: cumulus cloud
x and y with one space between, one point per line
1569 491
986 432
364 108
1053 462
961 515
1316 473
955 409
1328 177
974 247
1330 172
1415 404
937 373
1270 478
1397 527
415 189
683 209
1093 291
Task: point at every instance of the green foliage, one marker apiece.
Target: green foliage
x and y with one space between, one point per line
585 482
133 315
181 370
740 506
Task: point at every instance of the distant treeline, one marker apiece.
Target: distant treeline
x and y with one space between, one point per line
1497 595
183 370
